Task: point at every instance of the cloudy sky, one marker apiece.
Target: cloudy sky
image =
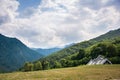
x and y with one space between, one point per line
51 23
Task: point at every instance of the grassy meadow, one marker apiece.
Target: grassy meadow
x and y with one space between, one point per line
96 72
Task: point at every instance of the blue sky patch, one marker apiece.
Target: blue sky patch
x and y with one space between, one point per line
24 4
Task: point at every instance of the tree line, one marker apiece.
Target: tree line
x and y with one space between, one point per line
109 49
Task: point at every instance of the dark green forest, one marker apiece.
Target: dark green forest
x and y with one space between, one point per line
13 54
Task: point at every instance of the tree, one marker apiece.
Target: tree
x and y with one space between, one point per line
69 63
75 62
103 46
45 65
37 66
115 60
118 50
111 50
99 49
85 60
96 51
81 54
57 64
63 62
28 66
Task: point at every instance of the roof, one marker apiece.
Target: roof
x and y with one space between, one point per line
99 60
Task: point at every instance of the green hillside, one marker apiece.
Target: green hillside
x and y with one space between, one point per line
107 45
85 44
13 54
48 51
109 35
97 72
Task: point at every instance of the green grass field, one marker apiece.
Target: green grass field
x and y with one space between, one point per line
98 72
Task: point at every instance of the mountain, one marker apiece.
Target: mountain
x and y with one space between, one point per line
49 51
109 35
74 50
68 45
13 54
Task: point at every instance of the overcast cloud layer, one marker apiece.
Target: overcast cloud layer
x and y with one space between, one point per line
58 22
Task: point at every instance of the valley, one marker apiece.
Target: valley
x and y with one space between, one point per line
60 40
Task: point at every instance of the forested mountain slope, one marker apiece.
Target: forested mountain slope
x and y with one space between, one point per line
107 45
13 54
85 44
81 53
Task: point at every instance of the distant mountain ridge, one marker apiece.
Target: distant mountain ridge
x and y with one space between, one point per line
49 51
13 54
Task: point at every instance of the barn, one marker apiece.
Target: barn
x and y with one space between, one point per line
99 60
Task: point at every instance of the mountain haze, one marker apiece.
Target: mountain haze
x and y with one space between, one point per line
49 51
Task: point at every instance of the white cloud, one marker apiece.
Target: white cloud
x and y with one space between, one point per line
8 10
59 22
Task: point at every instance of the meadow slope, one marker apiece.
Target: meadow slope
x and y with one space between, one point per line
97 72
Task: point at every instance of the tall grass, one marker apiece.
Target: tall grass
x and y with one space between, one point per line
97 72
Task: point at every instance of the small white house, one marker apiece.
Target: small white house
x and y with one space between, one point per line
99 60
